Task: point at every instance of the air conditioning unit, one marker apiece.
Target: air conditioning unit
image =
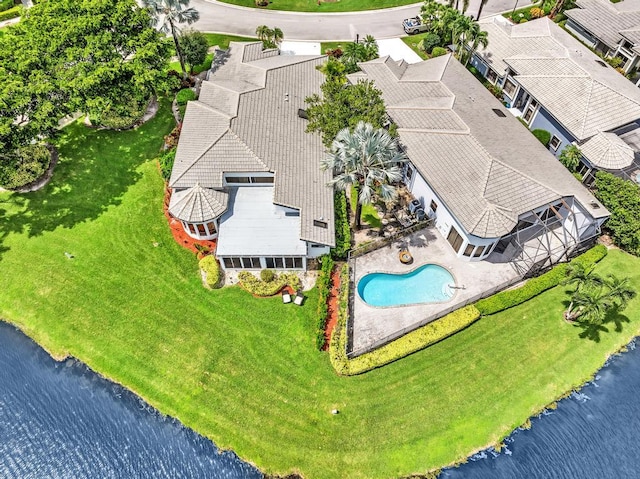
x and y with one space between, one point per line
416 209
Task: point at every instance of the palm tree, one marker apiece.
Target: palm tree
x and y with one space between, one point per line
482 4
368 160
277 36
352 54
264 34
370 47
592 302
467 37
167 15
582 276
620 291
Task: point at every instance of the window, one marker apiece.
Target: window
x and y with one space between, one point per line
292 213
492 76
455 239
469 249
191 228
232 262
433 206
201 229
320 224
238 180
479 251
251 262
293 262
555 143
211 227
262 179
409 173
509 87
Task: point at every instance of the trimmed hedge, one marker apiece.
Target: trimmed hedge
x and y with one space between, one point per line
543 136
324 288
343 229
263 288
166 161
427 335
209 264
11 13
185 95
6 5
508 299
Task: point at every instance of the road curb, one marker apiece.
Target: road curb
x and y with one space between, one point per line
289 12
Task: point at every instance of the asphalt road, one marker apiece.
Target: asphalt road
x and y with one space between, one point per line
221 17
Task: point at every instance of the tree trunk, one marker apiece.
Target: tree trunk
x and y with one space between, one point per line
174 34
556 8
358 219
480 10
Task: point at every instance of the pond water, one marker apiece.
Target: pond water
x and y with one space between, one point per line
61 420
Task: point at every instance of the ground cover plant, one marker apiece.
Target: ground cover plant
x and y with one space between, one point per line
243 370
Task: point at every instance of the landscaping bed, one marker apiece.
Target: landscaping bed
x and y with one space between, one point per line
245 371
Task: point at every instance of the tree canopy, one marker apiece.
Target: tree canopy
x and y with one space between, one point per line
67 56
343 105
194 47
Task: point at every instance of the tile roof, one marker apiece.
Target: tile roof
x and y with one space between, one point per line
573 84
608 151
246 119
605 19
197 204
487 176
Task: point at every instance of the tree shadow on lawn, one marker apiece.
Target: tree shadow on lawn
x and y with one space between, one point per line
96 168
592 331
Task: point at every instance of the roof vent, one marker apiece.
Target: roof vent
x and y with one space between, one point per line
286 97
302 113
499 112
601 63
594 205
320 224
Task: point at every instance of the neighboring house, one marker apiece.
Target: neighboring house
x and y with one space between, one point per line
612 29
554 83
246 172
490 186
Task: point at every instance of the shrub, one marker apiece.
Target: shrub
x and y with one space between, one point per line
536 12
343 229
324 288
185 95
523 20
171 140
121 116
24 167
543 136
533 287
166 162
622 199
11 13
438 52
427 335
6 5
209 264
430 41
267 275
268 288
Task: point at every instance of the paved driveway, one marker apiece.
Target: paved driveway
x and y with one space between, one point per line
221 17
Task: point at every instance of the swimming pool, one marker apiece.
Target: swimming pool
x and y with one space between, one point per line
429 283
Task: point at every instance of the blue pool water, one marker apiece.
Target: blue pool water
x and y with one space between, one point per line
427 284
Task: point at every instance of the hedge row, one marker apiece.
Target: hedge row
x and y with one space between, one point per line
210 266
166 161
507 299
427 335
268 288
338 343
343 229
324 288
11 13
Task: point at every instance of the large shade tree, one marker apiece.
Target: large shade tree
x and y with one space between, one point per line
368 159
68 56
169 14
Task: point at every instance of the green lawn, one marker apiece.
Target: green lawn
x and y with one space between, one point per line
369 213
324 46
413 40
325 6
244 371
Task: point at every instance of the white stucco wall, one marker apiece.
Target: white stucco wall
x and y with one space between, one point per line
444 220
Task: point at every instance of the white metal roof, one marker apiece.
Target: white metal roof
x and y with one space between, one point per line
254 226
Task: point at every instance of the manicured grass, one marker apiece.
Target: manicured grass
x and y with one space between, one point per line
369 213
197 69
223 40
413 40
324 46
324 6
244 371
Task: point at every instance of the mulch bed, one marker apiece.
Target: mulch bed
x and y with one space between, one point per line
333 308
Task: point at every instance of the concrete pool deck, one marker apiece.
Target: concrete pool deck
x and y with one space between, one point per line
374 326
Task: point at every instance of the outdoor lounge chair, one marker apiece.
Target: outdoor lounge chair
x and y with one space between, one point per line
286 297
299 298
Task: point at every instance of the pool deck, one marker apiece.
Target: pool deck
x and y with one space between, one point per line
373 326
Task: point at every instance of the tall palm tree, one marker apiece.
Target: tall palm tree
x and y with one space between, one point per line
368 160
467 37
278 36
582 276
370 47
482 4
353 53
591 303
620 291
167 15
